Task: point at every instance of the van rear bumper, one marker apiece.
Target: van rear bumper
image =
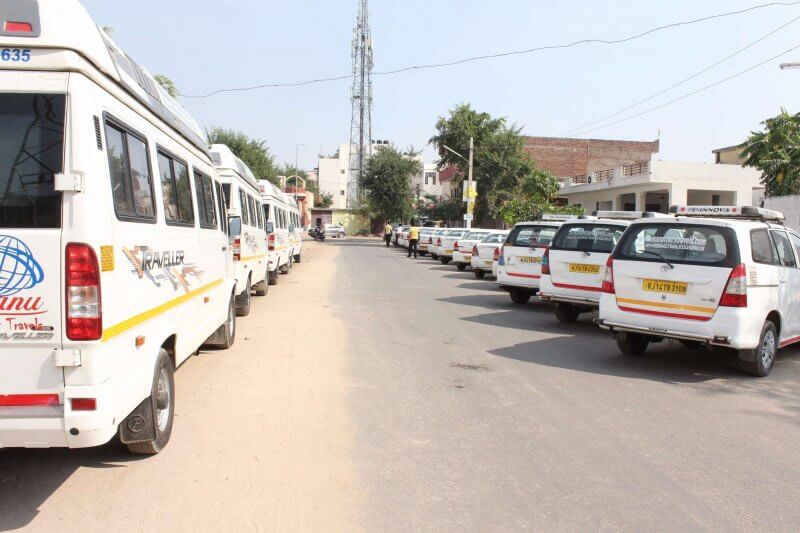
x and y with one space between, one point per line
59 426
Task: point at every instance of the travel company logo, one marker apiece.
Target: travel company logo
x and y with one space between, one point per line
18 268
162 266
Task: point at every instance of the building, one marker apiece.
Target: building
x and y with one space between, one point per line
730 155
426 183
334 172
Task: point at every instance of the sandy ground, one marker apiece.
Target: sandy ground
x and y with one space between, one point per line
261 439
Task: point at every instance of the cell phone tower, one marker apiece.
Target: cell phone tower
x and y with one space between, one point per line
361 100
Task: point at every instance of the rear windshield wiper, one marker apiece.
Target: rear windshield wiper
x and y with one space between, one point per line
659 256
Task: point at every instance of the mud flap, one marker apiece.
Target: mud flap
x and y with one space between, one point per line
139 426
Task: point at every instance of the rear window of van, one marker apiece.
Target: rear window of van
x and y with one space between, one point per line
531 236
600 238
687 244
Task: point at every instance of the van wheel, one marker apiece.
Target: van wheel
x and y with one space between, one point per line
262 287
225 335
480 274
632 343
567 313
243 300
461 267
297 258
272 277
285 268
759 362
434 257
423 254
518 296
444 260
162 398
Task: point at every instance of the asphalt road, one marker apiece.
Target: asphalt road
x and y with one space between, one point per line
375 392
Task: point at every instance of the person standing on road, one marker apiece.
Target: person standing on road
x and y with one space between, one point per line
413 239
387 234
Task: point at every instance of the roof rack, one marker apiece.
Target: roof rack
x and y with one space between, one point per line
628 215
728 211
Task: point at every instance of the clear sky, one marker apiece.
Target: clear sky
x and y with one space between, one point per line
205 45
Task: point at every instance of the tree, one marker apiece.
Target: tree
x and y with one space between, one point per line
167 84
444 209
253 152
386 185
500 161
776 153
533 197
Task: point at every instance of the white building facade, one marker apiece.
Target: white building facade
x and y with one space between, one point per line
656 185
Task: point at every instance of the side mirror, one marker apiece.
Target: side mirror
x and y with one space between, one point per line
270 227
234 227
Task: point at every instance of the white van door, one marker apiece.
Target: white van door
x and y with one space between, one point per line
32 128
524 249
579 254
788 287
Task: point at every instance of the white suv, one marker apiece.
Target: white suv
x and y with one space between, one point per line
722 276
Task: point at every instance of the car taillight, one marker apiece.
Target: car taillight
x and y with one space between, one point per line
430 240
84 317
237 249
546 261
496 254
455 246
439 241
271 242
475 250
608 277
735 294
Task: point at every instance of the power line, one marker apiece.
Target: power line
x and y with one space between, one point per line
681 82
710 86
502 54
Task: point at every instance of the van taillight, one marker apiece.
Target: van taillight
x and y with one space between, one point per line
455 246
546 261
475 250
84 311
271 242
237 249
496 254
430 240
608 277
439 241
735 294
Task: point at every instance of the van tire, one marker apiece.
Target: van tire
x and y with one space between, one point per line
461 267
434 257
243 300
262 287
480 274
567 313
225 335
272 277
285 268
297 258
444 260
632 343
423 254
519 296
162 395
759 362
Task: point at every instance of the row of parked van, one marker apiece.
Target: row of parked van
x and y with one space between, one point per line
126 242
706 276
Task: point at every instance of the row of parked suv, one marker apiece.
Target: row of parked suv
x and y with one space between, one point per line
707 276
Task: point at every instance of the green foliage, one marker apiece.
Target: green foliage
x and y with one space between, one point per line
499 161
325 200
776 153
386 185
253 152
167 84
521 209
445 209
533 197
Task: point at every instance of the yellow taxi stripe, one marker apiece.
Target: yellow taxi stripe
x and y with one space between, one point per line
668 305
125 325
253 257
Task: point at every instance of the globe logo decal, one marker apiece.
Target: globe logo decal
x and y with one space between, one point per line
18 269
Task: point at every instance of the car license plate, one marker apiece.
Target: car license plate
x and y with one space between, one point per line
580 268
534 260
670 287
448 251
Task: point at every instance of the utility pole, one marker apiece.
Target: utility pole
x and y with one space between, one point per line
470 199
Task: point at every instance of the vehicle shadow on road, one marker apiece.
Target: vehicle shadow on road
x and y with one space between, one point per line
482 286
28 477
365 242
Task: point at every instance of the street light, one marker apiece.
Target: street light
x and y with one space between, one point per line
469 175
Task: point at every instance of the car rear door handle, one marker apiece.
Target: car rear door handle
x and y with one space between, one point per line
224 248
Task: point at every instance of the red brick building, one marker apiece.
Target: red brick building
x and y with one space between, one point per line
580 157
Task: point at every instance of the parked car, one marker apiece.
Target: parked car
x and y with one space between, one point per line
574 265
334 230
462 248
433 239
519 265
424 240
712 276
444 246
483 253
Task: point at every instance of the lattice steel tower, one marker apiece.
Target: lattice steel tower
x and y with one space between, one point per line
361 98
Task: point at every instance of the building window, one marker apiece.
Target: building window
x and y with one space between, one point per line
341 192
342 171
715 199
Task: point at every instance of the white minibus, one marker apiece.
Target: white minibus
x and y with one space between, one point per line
242 197
283 230
114 251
